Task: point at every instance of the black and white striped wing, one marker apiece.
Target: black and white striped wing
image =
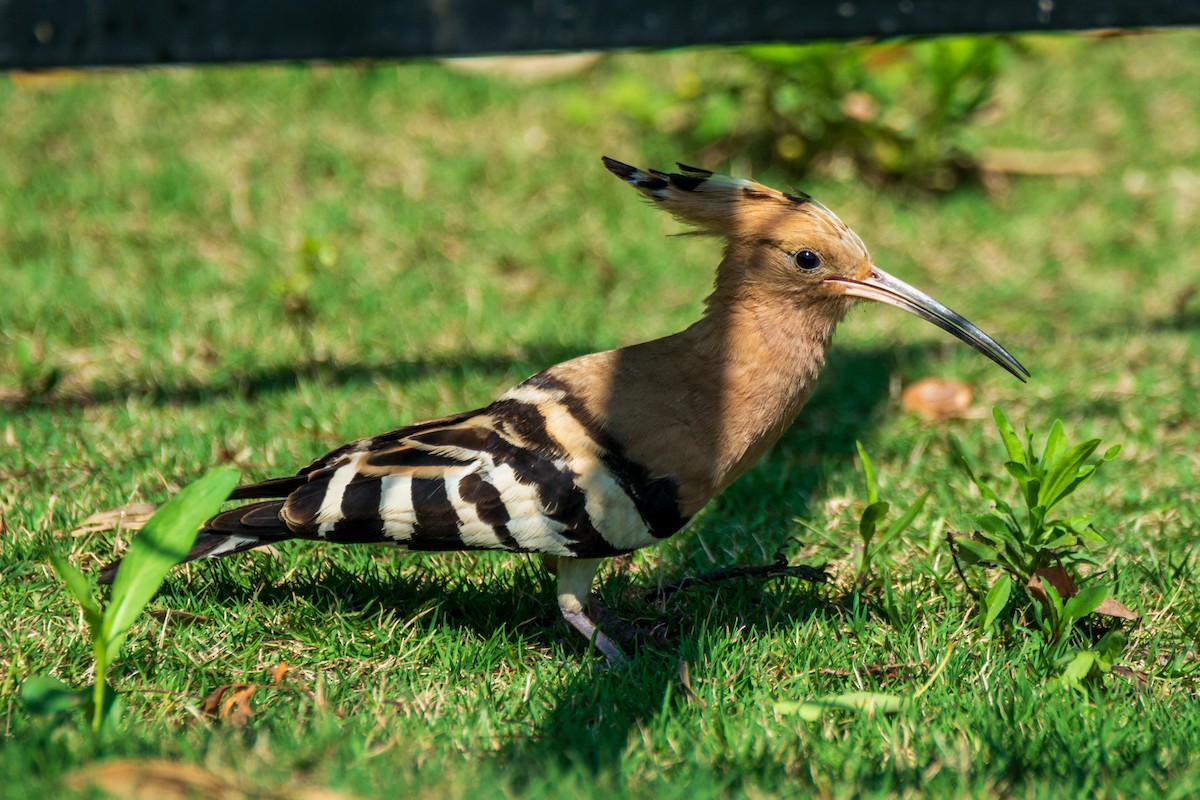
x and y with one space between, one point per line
523 475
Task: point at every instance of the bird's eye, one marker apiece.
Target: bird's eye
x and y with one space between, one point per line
806 259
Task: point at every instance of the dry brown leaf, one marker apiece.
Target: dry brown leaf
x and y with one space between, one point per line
1111 608
1139 678
159 779
279 671
938 398
131 518
230 702
1057 577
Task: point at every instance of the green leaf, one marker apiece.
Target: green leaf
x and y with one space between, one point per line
1054 597
77 584
1111 453
995 528
996 600
984 489
1056 442
43 695
161 544
870 518
972 552
1064 540
1012 443
1109 649
1084 603
1019 471
1078 668
906 519
112 705
869 473
1061 479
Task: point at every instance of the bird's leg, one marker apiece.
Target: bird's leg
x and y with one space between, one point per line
574 582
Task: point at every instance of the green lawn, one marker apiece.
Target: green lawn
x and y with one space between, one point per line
155 226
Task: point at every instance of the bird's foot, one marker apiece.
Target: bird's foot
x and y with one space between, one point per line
631 635
611 651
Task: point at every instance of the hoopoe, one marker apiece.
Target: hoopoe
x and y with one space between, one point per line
614 451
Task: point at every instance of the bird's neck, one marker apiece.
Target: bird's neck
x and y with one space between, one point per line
706 403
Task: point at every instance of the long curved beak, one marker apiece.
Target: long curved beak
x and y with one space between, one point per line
880 286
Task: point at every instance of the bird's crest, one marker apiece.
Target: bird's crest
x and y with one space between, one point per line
720 204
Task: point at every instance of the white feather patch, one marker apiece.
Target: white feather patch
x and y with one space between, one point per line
474 531
396 507
335 490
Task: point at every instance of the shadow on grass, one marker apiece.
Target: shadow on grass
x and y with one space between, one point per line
261 382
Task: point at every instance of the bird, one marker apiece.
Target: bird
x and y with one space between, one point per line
613 451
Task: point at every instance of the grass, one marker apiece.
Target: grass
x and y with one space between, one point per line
148 224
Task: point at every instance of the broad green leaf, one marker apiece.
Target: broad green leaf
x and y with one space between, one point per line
870 518
1109 649
1064 540
1064 473
996 600
1056 443
43 695
1076 523
901 524
996 528
1018 471
1084 603
1078 667
1111 453
869 474
161 544
1009 436
77 584
1054 597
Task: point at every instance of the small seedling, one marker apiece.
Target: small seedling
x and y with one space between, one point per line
161 544
1029 544
294 289
873 515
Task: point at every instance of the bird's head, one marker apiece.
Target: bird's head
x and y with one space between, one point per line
787 245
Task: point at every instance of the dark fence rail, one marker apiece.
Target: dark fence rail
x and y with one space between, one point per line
83 33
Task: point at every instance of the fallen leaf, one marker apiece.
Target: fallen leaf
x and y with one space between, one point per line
1057 577
131 518
1111 608
1139 678
279 671
938 398
230 703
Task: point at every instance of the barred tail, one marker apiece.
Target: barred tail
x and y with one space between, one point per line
229 532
